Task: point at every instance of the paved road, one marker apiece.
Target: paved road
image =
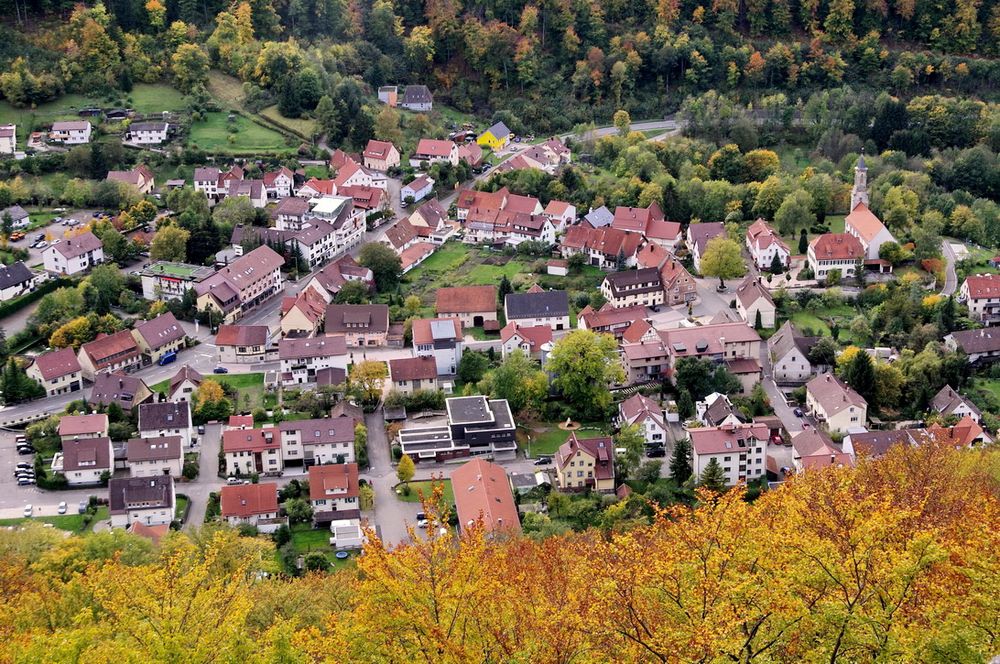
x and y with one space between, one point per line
950 277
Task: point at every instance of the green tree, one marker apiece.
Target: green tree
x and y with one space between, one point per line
824 352
169 244
860 375
631 439
518 380
472 366
723 259
796 211
713 477
685 404
7 224
803 242
384 264
584 365
504 289
352 292
361 445
405 469
680 461
298 510
777 267
190 67
622 121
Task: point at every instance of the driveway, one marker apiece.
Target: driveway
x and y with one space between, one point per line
950 277
791 423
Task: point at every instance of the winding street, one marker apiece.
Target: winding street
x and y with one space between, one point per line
950 277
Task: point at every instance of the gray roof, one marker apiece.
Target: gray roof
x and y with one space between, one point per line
984 340
788 337
160 331
87 454
599 217
16 212
947 400
165 415
417 94
117 388
14 275
703 232
535 305
140 492
499 130
153 449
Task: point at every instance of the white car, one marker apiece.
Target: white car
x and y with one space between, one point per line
28 510
62 507
233 480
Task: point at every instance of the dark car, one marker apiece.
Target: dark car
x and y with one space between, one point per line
543 461
656 452
798 412
220 370
26 449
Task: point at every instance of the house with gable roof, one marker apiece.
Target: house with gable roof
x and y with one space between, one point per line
764 243
981 294
834 403
789 352
948 402
57 371
740 449
535 341
440 338
753 299
643 412
586 463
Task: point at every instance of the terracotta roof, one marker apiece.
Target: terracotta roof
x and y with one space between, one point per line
636 220
154 533
557 208
525 204
245 271
331 482
837 246
251 440
471 153
727 438
365 197
310 303
608 241
87 454
432 213
246 500
111 347
321 187
763 236
241 335
751 290
833 394
186 373
636 331
293 206
240 422
75 425
415 253
601 449
482 494
160 331
57 363
377 149
413 368
639 407
154 449
864 222
535 335
983 286
608 316
433 148
428 330
466 299
706 339
400 234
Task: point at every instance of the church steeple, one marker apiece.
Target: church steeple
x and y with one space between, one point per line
859 192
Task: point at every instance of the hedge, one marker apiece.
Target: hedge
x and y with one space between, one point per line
15 305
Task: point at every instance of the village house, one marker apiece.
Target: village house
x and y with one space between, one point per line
609 320
417 98
303 359
716 410
536 307
741 451
184 384
950 403
600 217
430 151
353 174
698 237
148 133
607 248
641 411
150 457
440 338
631 288
409 374
252 190
380 155
981 294
548 157
149 501
126 391
561 213
158 337
789 353
764 243
473 306
650 223
303 314
470 199
167 418
587 463
813 450
483 498
8 139
367 201
334 492
139 177
753 300
110 352
416 190
242 285
400 236
535 341
362 325
290 214
74 255
329 280
495 138
318 441
84 461
252 504
431 214
252 451
981 346
243 344
19 217
835 251
389 95
476 425
71 132
471 154
834 403
57 371
166 280
80 427
278 184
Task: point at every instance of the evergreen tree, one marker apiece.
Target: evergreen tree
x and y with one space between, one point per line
504 289
757 322
860 375
803 242
680 461
946 319
713 477
776 265
685 404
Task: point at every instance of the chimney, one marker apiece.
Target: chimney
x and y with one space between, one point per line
833 459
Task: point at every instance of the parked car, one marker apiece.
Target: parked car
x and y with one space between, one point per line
543 461
798 412
220 370
167 358
656 452
25 481
24 465
39 237
233 480
82 507
62 507
29 510
421 520
42 244
201 429
25 449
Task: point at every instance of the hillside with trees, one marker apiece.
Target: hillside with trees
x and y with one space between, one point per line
895 560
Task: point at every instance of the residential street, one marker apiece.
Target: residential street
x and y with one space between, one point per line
950 277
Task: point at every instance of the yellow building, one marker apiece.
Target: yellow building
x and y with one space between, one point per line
495 138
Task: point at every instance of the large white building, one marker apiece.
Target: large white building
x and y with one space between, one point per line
741 451
440 338
74 255
981 294
71 132
302 358
764 244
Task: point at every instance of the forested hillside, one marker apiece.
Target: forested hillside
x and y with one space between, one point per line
896 560
551 64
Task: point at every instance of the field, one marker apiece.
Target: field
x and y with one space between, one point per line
69 522
425 487
817 320
306 539
546 439
991 387
303 126
249 385
212 134
225 89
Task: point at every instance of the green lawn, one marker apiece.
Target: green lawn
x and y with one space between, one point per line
305 539
182 502
547 439
426 487
227 90
213 133
155 98
320 172
304 126
69 522
990 386
247 384
817 321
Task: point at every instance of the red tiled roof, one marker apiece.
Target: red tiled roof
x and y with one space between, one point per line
111 346
413 368
57 363
719 440
433 148
837 246
482 493
421 328
251 440
535 335
466 299
74 425
333 481
246 500
241 335
864 222
377 149
983 286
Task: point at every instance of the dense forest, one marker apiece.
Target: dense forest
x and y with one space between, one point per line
549 64
893 561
